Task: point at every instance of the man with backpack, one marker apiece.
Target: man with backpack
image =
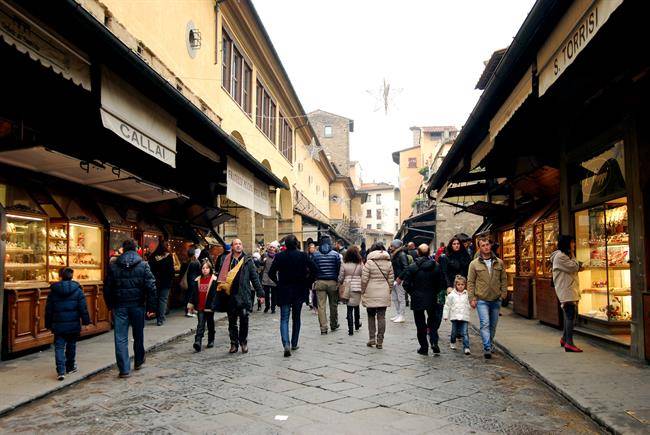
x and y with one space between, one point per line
328 264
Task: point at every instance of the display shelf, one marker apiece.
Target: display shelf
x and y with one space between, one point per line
604 291
19 251
23 265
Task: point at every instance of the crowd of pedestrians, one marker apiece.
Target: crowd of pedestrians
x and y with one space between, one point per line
442 285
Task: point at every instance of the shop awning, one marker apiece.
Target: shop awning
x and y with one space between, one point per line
136 119
487 209
43 46
93 174
516 98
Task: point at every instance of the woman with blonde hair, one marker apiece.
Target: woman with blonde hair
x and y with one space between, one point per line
350 286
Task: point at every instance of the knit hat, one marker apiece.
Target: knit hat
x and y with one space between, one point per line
397 243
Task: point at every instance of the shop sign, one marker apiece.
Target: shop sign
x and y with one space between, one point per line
19 31
246 190
138 139
575 30
137 120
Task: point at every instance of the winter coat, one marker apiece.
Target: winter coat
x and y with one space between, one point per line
565 277
328 262
130 283
457 306
486 286
162 267
377 280
193 271
65 307
455 263
293 271
246 280
266 266
194 294
399 260
351 272
425 284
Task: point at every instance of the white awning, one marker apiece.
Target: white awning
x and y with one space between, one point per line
43 46
481 151
99 175
137 120
573 33
516 98
246 190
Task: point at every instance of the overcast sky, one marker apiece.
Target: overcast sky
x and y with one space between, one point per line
339 52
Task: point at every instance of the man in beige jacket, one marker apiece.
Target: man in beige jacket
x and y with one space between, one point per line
487 285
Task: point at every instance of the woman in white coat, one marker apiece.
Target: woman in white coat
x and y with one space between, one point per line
567 287
376 284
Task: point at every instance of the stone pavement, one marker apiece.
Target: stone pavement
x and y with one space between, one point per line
332 384
33 376
610 386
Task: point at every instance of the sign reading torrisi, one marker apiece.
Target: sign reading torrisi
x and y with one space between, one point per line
576 29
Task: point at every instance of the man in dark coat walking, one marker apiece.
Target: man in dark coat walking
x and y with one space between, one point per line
293 272
424 281
130 286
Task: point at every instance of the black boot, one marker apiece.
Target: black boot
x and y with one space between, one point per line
197 346
210 344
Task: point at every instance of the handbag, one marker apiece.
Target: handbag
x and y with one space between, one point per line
183 284
346 287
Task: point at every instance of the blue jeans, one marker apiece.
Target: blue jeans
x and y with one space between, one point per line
65 351
459 329
122 318
294 311
488 314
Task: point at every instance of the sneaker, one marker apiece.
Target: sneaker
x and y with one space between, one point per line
435 349
335 328
379 346
295 347
452 346
467 351
60 377
72 370
323 333
210 344
399 319
124 375
487 355
370 343
287 352
493 349
392 319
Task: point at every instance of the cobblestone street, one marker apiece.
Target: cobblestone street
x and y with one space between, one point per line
332 384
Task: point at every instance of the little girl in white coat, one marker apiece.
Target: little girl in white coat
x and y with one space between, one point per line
457 309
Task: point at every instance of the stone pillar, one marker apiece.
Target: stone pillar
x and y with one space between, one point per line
271 222
246 229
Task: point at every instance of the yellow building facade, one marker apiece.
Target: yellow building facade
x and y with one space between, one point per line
220 53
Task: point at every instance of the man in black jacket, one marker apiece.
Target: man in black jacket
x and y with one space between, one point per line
293 272
130 286
241 294
424 281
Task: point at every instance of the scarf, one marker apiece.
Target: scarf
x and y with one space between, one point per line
225 268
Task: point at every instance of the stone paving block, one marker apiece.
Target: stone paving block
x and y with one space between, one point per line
390 399
422 407
362 392
313 395
349 404
339 386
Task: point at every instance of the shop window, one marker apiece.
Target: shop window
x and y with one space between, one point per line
601 176
602 246
25 256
